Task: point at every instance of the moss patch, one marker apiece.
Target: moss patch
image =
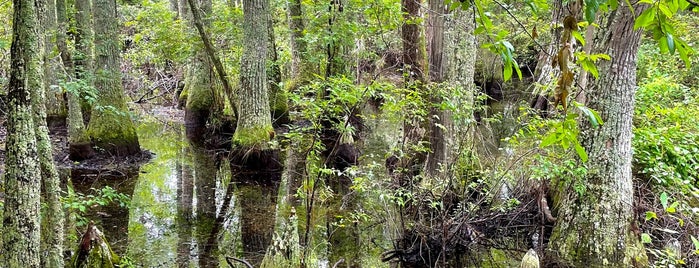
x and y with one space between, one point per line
253 137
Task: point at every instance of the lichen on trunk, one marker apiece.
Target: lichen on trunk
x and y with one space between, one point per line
594 228
20 228
110 126
254 121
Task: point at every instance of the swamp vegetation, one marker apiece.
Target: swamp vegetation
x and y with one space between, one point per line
349 133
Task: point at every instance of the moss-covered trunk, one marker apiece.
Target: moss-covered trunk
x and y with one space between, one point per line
21 230
52 223
594 229
56 110
110 126
254 123
79 143
84 51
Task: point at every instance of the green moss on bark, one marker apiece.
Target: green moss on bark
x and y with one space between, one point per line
253 137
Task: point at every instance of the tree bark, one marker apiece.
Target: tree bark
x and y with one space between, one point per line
437 117
199 80
459 60
110 126
413 54
21 229
209 49
52 231
254 123
298 45
277 98
56 109
593 229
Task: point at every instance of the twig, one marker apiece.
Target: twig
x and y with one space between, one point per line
228 260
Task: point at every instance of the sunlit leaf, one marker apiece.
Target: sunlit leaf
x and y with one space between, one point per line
645 238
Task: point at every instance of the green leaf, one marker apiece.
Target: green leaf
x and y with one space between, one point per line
645 238
673 207
579 37
645 19
695 242
663 200
581 152
651 215
507 70
670 43
591 7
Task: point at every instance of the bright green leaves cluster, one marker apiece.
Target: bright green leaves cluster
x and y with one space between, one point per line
658 19
587 62
565 133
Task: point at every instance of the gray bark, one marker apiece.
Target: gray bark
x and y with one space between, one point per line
254 122
21 229
52 234
594 229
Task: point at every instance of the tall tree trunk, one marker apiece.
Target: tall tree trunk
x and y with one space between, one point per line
594 229
254 123
21 229
277 97
79 145
413 52
52 231
298 44
199 84
437 117
110 126
56 109
459 60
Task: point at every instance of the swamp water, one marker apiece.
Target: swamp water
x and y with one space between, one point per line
183 212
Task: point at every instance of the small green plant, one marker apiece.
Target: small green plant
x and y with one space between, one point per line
81 203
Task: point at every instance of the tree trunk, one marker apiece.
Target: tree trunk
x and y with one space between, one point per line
594 229
21 229
79 145
110 126
254 123
199 83
56 109
298 45
413 54
437 117
459 66
52 235
277 98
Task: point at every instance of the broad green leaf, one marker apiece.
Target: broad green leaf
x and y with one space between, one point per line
673 207
579 37
507 70
663 200
591 7
670 43
665 9
581 152
645 238
646 18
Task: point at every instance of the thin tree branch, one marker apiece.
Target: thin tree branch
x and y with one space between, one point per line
211 52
